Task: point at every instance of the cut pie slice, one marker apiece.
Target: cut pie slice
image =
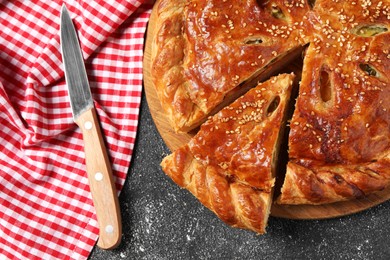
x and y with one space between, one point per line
230 164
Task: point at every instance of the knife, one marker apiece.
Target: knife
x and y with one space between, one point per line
98 167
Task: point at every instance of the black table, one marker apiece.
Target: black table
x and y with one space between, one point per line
162 221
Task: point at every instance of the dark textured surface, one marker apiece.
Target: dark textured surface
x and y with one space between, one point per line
162 221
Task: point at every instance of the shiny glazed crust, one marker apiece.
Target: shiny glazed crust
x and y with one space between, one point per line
230 163
206 53
340 131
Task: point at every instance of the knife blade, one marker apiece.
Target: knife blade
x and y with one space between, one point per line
98 167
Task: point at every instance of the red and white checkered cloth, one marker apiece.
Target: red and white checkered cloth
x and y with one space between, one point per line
46 210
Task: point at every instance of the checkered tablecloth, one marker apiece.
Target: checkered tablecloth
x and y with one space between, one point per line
46 210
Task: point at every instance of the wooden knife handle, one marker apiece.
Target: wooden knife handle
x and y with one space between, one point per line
101 182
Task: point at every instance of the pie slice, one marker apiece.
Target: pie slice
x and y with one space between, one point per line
207 53
339 143
230 164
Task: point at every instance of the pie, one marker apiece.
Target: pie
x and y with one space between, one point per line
230 164
206 54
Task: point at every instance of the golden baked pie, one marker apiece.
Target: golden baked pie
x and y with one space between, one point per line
230 164
207 53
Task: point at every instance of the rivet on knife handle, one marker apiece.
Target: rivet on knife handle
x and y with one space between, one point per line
100 178
100 181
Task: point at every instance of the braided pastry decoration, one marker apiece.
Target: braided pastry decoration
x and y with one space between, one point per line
168 68
237 204
312 184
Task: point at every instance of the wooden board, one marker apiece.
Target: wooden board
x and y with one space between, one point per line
174 141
